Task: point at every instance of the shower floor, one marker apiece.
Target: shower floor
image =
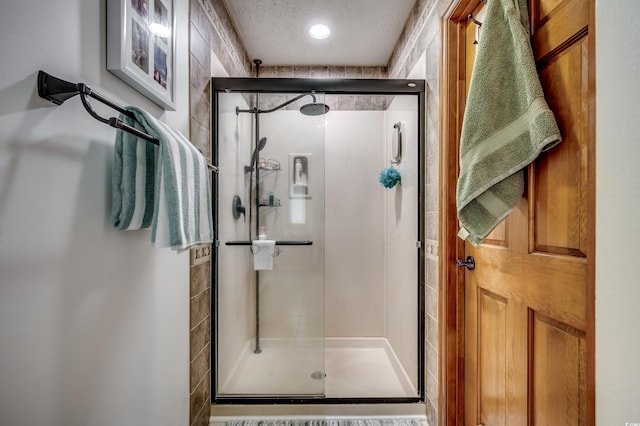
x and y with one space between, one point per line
355 368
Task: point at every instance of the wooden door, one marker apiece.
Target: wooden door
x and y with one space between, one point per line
525 304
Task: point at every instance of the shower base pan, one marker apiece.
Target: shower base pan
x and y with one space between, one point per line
353 368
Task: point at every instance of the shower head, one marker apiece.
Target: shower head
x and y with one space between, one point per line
254 157
261 143
314 108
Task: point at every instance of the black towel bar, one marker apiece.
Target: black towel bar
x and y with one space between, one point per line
278 243
57 91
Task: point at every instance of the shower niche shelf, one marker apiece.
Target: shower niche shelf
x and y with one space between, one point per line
299 175
263 169
269 165
265 166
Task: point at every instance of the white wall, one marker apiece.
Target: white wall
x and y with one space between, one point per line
93 322
618 202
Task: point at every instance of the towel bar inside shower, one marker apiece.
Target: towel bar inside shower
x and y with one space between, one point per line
57 91
278 243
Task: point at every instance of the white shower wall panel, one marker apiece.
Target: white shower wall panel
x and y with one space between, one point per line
354 259
401 234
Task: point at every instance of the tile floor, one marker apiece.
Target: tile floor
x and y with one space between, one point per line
322 421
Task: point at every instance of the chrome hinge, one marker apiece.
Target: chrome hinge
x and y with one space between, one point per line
418 244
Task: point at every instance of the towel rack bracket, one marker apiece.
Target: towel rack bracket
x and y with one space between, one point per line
54 89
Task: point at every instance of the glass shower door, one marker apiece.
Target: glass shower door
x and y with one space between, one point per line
269 325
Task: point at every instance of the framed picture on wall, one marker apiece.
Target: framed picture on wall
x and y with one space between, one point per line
141 47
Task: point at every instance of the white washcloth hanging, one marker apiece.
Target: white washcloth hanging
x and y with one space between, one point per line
264 252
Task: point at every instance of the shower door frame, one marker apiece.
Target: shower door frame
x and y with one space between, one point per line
326 86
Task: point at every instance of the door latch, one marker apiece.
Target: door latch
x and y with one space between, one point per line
469 263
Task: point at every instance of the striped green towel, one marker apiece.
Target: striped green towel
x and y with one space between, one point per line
181 200
133 182
507 122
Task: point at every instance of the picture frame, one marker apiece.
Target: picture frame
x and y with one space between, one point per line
141 47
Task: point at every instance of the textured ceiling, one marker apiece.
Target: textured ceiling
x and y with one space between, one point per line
364 32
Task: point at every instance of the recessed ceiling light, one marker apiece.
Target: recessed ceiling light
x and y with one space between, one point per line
319 32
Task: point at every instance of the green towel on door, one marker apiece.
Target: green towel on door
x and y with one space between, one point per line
507 122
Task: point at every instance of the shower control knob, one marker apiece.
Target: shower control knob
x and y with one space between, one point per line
469 263
237 208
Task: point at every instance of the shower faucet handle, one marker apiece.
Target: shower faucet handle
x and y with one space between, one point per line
237 208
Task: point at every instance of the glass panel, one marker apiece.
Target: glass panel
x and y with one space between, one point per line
371 313
277 349
339 313
401 233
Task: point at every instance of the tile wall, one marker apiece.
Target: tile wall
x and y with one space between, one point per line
422 33
211 32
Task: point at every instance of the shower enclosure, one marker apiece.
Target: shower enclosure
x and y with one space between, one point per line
318 274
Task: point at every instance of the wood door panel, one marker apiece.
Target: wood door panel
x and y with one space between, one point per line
570 21
558 372
546 7
492 358
521 278
559 176
499 236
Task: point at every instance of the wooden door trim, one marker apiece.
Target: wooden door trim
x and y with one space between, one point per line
591 222
451 279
